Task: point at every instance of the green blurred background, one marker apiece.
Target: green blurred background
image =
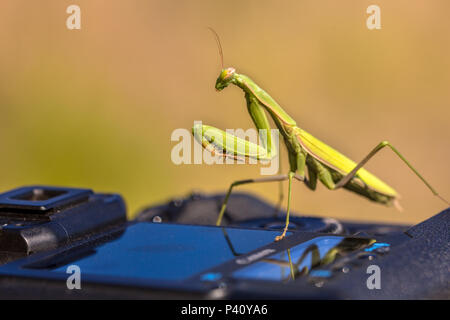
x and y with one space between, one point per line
96 107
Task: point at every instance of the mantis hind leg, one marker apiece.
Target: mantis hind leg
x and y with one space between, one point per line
329 178
374 151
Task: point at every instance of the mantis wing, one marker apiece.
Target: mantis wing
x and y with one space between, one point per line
337 161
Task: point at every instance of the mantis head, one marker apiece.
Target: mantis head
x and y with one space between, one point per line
225 77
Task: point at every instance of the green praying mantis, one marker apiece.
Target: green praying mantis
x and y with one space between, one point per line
310 160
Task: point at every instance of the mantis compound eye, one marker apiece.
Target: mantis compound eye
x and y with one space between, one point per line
227 73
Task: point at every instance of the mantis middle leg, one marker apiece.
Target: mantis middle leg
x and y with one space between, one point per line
247 181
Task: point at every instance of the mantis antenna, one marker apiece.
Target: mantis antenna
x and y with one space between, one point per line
218 44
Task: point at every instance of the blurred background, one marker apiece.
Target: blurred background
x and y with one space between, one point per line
96 107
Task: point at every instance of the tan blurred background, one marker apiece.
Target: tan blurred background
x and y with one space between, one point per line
96 107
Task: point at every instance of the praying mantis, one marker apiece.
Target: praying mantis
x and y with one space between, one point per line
310 160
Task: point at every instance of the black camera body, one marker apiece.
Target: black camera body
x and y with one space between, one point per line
74 243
